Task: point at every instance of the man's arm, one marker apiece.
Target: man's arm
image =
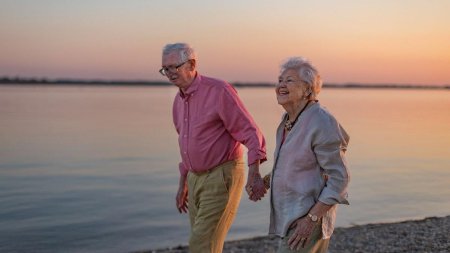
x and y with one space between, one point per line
239 123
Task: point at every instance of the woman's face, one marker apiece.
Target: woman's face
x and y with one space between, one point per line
290 89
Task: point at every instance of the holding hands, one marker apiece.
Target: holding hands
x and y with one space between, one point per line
256 188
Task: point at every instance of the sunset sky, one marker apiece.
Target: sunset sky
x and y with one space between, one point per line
384 41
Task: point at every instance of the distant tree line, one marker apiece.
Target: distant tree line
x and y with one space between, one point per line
68 81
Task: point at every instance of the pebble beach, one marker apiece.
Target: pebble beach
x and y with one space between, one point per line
430 235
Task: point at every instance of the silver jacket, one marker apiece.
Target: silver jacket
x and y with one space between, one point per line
310 166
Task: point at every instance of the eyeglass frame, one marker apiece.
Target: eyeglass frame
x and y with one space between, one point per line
163 70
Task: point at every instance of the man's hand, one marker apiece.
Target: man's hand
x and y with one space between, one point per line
255 185
182 197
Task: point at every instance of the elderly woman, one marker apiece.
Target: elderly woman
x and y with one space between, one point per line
309 176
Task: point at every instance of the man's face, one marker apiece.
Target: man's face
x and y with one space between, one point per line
179 73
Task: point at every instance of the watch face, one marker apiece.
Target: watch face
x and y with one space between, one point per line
313 217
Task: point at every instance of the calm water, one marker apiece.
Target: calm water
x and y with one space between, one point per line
94 169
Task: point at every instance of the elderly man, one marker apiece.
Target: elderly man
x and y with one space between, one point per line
211 122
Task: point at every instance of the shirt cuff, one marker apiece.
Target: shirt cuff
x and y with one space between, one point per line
330 197
255 155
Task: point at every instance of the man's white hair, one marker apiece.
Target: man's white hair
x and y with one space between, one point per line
185 50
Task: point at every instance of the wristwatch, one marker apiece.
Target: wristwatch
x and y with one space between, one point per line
313 217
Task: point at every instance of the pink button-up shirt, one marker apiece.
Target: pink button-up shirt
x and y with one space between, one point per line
212 122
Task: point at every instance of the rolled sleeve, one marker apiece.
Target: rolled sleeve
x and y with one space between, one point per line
241 126
255 155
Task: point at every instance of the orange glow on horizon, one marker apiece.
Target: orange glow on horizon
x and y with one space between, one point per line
405 42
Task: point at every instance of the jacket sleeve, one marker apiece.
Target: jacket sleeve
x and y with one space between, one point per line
329 146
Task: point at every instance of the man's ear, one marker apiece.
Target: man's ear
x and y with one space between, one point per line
193 63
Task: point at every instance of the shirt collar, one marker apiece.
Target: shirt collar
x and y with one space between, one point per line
193 87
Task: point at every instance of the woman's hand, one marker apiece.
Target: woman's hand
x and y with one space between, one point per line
303 228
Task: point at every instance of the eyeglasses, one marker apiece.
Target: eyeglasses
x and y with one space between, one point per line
171 69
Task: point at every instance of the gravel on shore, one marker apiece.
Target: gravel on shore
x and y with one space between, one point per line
427 235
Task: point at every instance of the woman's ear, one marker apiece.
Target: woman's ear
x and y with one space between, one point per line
307 92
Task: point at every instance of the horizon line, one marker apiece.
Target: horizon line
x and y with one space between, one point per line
142 82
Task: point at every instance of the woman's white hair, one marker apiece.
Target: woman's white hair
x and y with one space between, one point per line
185 50
307 73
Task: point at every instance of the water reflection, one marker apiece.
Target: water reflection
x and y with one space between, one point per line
78 163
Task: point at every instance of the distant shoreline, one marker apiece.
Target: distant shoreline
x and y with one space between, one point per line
97 82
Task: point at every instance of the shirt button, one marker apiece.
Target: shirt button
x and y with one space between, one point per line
185 136
185 119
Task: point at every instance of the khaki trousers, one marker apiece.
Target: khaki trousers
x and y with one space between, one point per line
315 245
214 198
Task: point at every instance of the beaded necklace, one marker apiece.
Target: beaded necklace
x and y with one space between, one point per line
288 125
